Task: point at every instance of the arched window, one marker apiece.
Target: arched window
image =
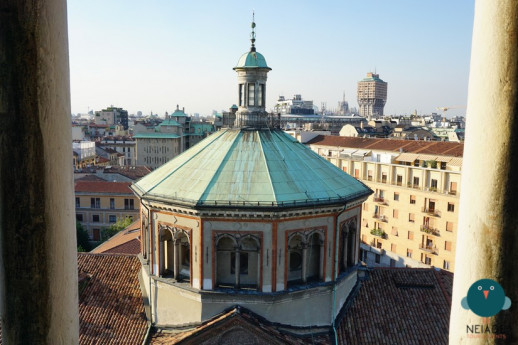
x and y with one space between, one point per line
238 262
315 257
175 254
351 245
166 253
347 252
184 256
296 246
305 258
249 257
225 276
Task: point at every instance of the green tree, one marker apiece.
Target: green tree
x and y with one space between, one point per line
83 240
113 229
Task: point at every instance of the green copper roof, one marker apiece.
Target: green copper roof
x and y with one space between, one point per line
200 128
156 135
178 113
169 122
252 59
250 168
372 79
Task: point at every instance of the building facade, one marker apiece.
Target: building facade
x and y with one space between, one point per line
411 219
157 145
83 154
372 96
122 144
296 105
100 204
156 149
112 116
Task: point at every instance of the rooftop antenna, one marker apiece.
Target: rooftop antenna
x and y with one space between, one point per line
252 35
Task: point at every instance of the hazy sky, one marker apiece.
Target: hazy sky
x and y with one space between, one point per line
152 55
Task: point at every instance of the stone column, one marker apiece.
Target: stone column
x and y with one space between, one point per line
345 237
38 260
237 265
259 263
304 262
176 258
321 268
163 247
487 235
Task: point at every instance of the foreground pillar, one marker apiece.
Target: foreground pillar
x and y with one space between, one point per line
487 239
38 265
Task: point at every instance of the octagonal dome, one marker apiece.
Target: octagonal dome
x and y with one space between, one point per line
250 168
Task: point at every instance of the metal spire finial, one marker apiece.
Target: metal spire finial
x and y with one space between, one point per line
252 35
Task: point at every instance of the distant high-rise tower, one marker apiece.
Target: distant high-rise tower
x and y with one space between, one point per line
372 95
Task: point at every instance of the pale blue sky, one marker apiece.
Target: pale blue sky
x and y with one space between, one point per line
152 55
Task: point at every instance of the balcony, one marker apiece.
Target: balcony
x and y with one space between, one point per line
412 185
381 218
429 249
379 233
380 199
430 230
431 211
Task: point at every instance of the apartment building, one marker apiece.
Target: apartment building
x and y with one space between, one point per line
411 219
100 204
124 145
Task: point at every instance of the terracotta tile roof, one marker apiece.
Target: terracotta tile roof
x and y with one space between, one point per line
109 150
399 306
90 178
102 160
134 172
392 306
240 318
111 309
103 187
395 145
131 248
126 241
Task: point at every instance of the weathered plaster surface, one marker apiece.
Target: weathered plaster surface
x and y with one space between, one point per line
38 239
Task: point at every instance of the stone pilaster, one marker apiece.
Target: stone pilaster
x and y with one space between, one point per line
488 225
37 225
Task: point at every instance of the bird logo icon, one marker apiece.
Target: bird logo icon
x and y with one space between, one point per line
486 298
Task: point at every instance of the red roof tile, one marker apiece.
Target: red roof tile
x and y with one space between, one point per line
399 306
126 241
133 172
90 178
395 145
103 187
111 309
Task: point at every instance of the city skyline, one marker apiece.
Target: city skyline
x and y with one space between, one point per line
151 57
